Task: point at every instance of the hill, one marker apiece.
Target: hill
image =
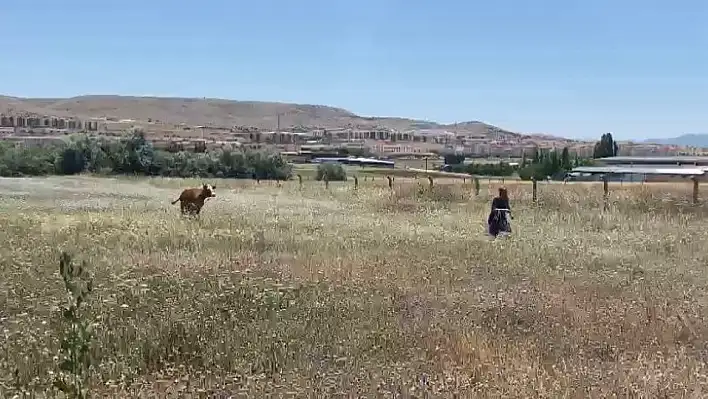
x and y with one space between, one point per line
221 112
686 140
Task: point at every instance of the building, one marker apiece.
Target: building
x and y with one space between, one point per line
359 161
634 168
654 161
47 124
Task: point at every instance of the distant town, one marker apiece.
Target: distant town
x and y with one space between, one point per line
383 142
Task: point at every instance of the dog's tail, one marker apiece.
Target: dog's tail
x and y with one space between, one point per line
175 201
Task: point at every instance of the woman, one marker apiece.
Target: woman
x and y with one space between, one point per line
497 217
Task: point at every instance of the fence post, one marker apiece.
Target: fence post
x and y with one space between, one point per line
326 180
299 178
695 189
534 190
430 179
356 182
605 191
390 182
476 186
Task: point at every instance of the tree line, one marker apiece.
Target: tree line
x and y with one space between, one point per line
544 163
135 155
540 164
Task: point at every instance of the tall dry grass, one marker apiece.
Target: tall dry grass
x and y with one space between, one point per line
360 293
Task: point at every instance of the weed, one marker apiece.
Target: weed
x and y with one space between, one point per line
75 354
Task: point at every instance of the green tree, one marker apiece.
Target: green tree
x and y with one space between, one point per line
454 159
70 161
548 163
136 156
536 155
333 171
606 147
565 159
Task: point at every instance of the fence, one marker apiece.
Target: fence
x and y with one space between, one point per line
695 184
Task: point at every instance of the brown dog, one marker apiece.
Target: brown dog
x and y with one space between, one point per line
192 199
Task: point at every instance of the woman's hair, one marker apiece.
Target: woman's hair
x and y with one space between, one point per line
503 194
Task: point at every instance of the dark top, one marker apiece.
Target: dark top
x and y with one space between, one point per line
499 203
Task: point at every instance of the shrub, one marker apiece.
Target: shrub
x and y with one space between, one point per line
484 169
18 161
532 171
135 155
333 171
75 354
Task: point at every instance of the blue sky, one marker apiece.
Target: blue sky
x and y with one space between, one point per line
568 68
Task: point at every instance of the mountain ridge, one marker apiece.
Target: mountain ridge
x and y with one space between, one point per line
225 112
688 140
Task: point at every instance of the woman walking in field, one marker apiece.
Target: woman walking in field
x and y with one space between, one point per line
498 217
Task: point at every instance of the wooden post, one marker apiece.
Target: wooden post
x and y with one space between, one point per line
476 186
695 189
299 178
430 179
605 191
356 182
534 189
390 182
326 180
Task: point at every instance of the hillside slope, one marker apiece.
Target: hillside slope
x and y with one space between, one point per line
688 140
219 112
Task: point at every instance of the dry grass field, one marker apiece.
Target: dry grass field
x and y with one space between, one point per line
306 292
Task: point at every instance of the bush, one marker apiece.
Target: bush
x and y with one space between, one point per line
531 172
134 155
333 171
454 159
26 161
484 169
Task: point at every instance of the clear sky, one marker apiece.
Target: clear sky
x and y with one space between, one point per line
564 67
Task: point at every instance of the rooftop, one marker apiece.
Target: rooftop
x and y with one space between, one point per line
658 160
649 170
